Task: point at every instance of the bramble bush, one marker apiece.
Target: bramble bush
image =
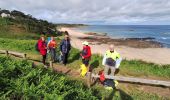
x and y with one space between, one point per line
18 80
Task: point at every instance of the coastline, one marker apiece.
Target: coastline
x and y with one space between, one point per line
131 49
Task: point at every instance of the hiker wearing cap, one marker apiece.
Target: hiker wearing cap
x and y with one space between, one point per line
52 46
65 47
86 53
110 59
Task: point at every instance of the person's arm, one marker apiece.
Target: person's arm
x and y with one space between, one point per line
104 59
61 44
48 43
118 56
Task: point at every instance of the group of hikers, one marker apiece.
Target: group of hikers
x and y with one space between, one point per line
111 59
50 47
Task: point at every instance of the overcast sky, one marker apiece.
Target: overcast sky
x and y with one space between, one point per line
94 11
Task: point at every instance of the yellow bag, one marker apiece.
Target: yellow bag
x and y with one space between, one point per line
83 70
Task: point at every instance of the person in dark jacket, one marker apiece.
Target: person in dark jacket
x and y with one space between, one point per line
65 47
42 46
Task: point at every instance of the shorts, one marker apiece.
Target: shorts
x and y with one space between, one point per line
85 61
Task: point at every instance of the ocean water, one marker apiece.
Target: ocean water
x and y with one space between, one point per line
161 33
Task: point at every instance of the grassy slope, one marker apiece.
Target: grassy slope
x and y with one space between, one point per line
18 80
133 68
14 31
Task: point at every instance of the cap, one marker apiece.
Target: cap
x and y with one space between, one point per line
85 43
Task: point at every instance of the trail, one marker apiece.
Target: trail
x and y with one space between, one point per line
72 73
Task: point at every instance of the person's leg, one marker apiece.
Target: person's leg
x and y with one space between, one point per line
66 58
51 54
106 69
54 54
44 58
86 62
113 70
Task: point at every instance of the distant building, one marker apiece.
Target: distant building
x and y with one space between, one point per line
3 15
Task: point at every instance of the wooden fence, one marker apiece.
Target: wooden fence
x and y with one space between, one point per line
23 55
130 80
90 75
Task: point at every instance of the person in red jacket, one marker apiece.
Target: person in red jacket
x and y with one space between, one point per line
42 46
86 53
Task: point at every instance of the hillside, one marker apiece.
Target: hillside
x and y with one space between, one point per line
18 24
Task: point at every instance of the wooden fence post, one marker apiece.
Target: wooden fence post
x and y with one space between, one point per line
7 54
25 56
89 75
51 64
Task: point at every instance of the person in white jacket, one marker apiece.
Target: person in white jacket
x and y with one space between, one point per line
111 60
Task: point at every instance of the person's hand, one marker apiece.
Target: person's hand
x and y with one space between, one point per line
61 53
82 57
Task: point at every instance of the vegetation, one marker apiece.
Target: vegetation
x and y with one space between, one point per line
26 22
18 80
133 67
70 25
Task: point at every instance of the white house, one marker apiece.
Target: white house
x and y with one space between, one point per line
3 15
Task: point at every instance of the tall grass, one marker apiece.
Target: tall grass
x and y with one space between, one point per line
12 30
18 80
18 45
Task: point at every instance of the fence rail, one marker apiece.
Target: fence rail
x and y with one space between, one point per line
23 55
91 75
132 80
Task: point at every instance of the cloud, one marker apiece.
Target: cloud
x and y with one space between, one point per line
95 11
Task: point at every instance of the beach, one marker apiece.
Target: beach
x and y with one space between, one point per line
128 49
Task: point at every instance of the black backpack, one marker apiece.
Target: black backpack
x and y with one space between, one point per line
36 47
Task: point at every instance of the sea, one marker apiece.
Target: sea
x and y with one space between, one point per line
160 33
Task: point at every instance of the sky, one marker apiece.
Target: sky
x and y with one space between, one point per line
105 12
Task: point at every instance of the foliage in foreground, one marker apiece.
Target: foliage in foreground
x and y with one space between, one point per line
18 80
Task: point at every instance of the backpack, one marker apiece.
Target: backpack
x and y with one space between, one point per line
109 83
36 47
102 76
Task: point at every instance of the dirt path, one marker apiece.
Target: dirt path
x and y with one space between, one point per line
72 73
154 55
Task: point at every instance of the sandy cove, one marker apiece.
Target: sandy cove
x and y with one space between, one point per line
154 55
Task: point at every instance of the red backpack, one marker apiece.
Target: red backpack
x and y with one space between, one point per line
102 76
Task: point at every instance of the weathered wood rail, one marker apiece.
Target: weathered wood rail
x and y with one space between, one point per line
23 55
131 80
91 75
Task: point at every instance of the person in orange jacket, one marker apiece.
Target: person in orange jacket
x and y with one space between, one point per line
52 47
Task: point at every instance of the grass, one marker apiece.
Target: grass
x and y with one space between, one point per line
133 67
25 46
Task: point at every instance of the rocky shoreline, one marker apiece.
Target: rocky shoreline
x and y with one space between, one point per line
147 42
